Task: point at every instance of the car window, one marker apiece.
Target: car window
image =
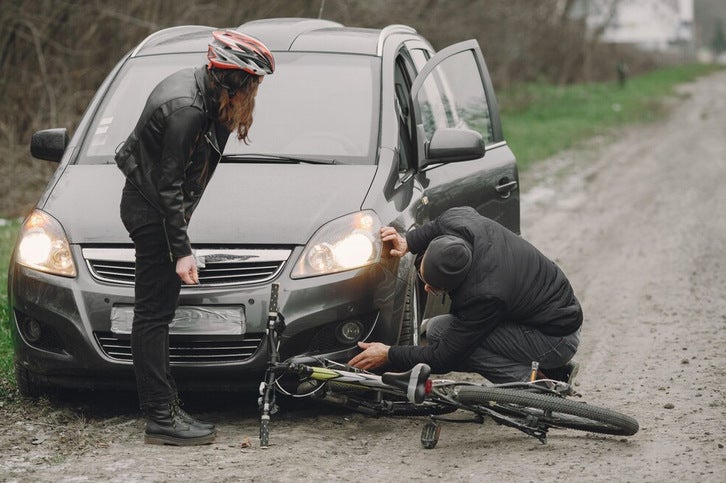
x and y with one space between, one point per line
420 57
315 105
122 105
453 95
402 87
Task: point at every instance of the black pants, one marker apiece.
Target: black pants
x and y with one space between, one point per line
156 298
507 353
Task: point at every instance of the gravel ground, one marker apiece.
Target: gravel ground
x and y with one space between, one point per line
636 219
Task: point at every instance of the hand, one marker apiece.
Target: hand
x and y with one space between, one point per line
374 355
400 247
186 268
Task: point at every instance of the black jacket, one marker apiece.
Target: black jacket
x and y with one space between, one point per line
173 151
509 281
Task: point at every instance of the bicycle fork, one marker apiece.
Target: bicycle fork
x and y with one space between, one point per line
266 401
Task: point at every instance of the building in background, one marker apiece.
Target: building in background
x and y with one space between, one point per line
654 25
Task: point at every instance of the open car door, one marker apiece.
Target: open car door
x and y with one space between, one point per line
454 105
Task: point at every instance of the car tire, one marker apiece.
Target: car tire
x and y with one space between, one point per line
412 313
28 385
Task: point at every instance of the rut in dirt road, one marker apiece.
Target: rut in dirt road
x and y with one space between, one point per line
642 234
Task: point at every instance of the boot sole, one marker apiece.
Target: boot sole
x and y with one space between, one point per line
172 441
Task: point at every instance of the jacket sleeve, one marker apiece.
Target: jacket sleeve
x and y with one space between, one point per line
462 337
454 221
183 126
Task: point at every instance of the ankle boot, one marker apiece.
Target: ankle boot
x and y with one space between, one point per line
165 426
189 419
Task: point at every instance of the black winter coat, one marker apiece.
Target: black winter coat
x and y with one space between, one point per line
509 281
173 151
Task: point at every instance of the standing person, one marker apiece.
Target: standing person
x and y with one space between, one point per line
510 305
168 160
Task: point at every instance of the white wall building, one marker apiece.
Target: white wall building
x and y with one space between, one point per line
649 24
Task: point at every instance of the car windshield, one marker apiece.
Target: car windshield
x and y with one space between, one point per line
315 106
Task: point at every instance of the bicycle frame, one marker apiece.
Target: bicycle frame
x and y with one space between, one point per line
408 390
413 384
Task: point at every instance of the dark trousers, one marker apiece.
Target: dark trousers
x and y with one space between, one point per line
156 298
507 353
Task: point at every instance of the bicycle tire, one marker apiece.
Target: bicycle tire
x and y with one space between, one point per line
562 413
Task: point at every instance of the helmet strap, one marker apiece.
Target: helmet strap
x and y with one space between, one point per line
230 91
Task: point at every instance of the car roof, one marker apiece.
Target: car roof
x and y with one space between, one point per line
282 34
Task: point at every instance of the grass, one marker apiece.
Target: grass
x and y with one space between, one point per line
8 234
539 120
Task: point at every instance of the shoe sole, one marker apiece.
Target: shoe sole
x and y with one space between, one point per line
171 441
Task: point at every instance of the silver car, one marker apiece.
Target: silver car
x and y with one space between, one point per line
357 129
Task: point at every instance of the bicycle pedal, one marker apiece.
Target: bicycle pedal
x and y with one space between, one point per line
430 434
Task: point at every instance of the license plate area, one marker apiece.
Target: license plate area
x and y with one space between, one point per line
189 320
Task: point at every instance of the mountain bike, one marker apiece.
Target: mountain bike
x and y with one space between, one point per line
532 407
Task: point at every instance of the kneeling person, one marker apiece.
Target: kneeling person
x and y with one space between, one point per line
510 305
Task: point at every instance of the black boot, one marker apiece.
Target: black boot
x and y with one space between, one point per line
165 426
189 419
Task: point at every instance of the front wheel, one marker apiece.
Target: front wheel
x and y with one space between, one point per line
549 410
412 312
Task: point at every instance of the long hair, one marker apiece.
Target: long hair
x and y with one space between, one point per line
235 92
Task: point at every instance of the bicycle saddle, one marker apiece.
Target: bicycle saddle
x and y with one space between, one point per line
413 382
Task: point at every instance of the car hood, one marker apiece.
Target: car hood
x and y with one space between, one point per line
243 204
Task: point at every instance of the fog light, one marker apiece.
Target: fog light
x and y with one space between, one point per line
32 330
349 332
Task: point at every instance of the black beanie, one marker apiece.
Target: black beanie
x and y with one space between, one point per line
446 262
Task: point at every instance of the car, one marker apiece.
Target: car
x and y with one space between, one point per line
357 129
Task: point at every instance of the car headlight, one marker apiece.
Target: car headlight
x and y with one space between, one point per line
352 241
42 245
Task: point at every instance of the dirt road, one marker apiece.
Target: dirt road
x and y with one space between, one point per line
637 220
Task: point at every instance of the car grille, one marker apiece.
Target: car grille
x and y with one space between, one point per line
188 349
217 267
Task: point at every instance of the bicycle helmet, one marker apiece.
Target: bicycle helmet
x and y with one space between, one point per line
233 50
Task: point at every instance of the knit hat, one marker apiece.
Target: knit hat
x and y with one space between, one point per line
446 262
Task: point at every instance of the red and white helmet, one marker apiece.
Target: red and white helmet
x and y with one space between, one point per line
233 50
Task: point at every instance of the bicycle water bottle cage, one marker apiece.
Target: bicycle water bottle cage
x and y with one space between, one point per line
415 382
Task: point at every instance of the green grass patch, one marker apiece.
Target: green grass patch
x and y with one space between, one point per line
540 120
8 235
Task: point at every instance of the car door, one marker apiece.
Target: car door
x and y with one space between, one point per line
453 90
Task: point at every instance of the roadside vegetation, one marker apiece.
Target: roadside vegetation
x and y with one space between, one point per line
539 120
8 234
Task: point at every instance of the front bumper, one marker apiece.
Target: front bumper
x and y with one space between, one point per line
78 348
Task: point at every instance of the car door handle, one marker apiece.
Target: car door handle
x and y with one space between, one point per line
505 187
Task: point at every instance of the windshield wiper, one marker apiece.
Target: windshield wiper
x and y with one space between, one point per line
252 157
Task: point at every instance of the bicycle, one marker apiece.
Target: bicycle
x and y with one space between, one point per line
532 407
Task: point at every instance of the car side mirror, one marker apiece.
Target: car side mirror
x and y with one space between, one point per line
49 144
449 145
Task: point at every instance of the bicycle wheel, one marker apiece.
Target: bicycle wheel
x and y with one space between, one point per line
550 410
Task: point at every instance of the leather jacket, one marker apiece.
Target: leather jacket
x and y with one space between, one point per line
173 151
